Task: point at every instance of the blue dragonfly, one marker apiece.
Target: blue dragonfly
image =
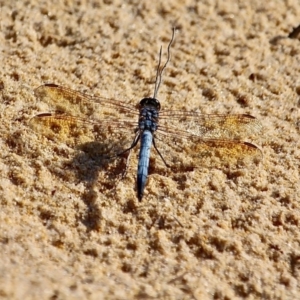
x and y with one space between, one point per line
182 139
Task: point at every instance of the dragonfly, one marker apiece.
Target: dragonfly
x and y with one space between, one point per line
182 139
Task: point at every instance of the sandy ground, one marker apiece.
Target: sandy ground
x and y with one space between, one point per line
71 229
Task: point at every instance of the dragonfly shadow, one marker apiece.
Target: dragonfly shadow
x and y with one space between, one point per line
89 161
90 164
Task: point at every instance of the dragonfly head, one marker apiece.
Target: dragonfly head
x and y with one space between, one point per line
150 102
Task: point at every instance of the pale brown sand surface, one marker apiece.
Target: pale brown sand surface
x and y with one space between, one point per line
71 229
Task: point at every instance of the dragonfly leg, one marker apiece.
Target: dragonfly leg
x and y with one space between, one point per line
135 141
127 164
168 166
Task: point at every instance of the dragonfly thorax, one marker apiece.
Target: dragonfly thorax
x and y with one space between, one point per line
149 112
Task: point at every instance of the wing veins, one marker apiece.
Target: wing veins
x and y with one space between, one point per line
75 120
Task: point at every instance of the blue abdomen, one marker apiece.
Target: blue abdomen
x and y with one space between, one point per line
143 165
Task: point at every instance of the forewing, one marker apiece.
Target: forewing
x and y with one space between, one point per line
74 103
210 126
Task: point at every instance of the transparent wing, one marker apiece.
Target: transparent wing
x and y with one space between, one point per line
188 139
76 118
183 138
